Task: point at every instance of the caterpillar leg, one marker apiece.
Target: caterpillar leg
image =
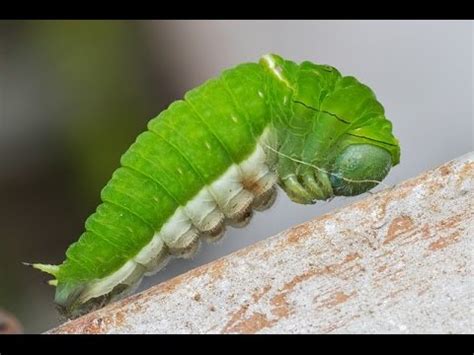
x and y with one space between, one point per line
243 218
214 235
265 200
188 251
154 256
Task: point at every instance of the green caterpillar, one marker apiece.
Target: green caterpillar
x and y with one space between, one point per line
210 159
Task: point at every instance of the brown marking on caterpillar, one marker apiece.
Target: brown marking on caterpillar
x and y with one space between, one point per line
252 185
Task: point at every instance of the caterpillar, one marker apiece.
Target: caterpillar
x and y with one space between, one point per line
210 159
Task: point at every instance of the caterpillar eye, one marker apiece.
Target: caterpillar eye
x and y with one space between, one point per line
359 168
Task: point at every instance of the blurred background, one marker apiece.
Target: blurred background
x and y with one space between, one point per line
74 95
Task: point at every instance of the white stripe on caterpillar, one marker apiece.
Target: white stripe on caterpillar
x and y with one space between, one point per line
250 184
276 70
204 212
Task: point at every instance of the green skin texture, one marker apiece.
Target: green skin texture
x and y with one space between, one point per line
327 121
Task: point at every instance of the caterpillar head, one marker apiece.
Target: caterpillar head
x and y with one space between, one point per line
358 169
335 137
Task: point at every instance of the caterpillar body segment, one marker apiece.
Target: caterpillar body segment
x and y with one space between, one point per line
212 158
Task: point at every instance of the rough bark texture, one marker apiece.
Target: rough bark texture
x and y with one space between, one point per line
399 261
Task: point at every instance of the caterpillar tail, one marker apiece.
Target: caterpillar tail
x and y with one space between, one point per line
47 268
